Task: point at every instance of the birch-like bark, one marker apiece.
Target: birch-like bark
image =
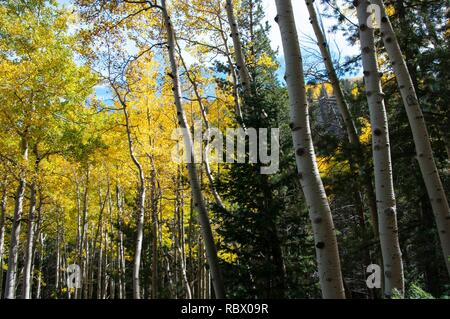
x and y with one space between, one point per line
237 102
98 238
100 273
155 198
79 231
112 266
244 75
120 247
320 214
199 202
344 109
84 258
91 267
41 265
208 170
3 206
58 253
98 242
11 274
328 62
141 205
106 267
384 187
419 130
179 231
26 283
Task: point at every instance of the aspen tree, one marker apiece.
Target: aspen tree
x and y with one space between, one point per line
155 199
320 213
244 75
141 200
199 202
26 283
206 152
27 273
425 157
13 258
120 246
344 109
3 206
384 187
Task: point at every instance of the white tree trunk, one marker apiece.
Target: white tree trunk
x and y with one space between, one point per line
3 206
244 75
120 246
237 102
421 137
199 202
342 104
327 60
41 261
141 212
316 199
84 238
384 187
58 254
11 274
27 276
208 170
141 198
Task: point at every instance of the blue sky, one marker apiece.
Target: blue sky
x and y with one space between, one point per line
337 41
304 28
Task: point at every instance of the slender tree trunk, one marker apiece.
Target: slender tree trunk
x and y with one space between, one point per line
98 242
86 265
193 176
41 265
84 246
155 256
208 171
175 233
11 274
58 254
141 202
79 227
386 204
91 267
425 157
180 227
105 278
200 269
112 267
3 207
316 199
100 272
120 253
237 102
27 276
344 109
328 62
244 75
64 269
